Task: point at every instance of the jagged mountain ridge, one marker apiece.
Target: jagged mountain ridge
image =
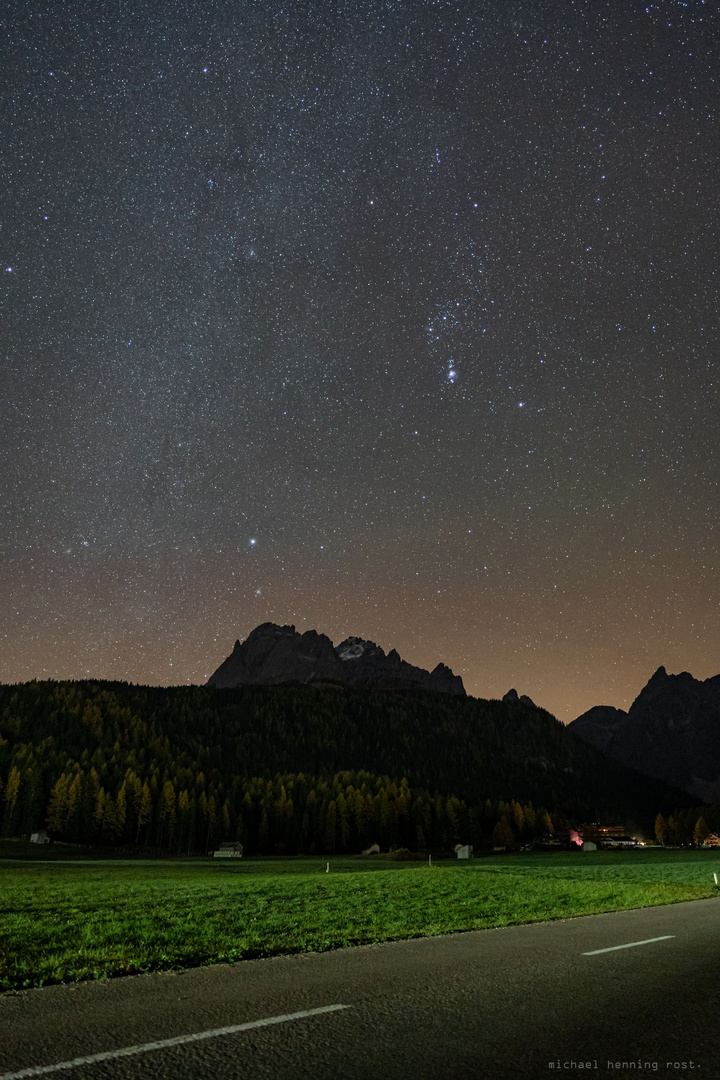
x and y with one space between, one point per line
671 732
523 699
274 655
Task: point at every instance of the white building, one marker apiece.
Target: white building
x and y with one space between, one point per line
229 851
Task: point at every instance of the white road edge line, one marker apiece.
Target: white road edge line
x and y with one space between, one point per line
179 1040
612 948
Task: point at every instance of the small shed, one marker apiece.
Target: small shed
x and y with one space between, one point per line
39 837
589 846
229 851
464 851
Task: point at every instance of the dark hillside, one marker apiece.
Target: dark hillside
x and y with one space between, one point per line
474 748
185 766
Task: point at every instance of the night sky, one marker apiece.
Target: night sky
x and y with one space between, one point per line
394 318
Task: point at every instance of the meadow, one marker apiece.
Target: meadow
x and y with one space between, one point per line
62 921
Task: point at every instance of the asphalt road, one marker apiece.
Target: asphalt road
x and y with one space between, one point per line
492 1005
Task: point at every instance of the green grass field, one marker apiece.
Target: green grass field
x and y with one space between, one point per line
65 921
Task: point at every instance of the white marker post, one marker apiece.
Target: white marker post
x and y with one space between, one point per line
327 868
429 860
715 876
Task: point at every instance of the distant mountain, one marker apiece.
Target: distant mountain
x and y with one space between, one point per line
523 699
671 732
274 655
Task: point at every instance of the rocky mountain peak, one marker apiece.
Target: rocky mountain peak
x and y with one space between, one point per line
512 695
273 655
352 648
273 630
671 731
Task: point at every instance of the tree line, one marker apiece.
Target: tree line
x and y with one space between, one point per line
288 814
687 827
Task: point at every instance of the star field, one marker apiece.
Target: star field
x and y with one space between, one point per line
397 319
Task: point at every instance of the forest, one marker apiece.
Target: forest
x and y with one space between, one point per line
304 770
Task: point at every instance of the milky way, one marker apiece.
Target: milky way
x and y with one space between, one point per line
397 319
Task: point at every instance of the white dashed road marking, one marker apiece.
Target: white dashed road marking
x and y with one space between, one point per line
162 1044
612 948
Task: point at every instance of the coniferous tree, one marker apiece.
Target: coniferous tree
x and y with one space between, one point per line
503 835
166 814
143 809
672 830
58 808
330 829
700 831
12 791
